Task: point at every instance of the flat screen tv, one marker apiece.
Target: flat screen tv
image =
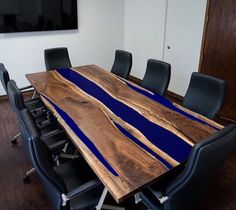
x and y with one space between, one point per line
37 15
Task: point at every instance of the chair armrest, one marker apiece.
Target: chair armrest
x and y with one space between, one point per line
26 87
80 190
68 156
40 109
51 133
162 199
57 144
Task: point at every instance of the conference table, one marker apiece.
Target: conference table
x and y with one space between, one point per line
128 135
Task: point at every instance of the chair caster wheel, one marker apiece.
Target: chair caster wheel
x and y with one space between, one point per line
26 179
14 141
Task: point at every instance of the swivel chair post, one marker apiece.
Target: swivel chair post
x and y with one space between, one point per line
34 94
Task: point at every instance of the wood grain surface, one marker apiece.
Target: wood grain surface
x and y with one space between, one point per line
157 113
135 167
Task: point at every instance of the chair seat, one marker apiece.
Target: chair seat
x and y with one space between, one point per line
75 173
50 129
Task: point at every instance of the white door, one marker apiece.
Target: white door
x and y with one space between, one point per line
183 37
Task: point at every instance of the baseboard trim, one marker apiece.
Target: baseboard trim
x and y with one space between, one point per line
3 97
174 95
134 79
25 93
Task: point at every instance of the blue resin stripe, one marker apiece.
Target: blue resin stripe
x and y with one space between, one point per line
160 137
167 103
82 136
142 145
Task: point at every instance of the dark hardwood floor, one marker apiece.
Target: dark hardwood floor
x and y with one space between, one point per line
15 195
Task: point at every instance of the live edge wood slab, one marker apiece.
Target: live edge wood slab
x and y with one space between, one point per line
123 165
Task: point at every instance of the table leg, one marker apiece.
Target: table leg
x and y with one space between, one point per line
101 204
137 198
102 199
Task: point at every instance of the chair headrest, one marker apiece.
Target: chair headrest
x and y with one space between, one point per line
4 76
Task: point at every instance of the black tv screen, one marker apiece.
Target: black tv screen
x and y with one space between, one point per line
37 15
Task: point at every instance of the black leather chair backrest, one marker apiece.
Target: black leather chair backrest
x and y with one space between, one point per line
28 130
122 64
4 76
205 158
52 182
42 161
15 97
56 58
205 94
157 76
26 119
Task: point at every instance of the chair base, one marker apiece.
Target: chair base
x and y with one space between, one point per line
26 178
14 140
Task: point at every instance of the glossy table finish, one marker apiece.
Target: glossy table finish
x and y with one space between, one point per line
128 136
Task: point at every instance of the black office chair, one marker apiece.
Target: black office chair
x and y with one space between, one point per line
157 76
55 142
205 94
5 78
56 58
187 189
17 103
71 185
41 115
55 139
122 64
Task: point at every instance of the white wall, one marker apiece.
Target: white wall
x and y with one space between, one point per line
101 31
144 32
152 25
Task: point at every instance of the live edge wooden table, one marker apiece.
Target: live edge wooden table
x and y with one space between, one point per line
128 135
